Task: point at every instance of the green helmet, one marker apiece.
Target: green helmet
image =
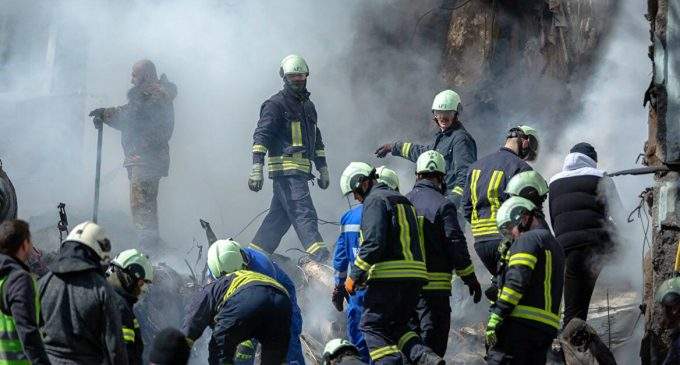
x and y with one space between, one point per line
353 175
224 257
333 347
511 211
530 185
135 263
388 177
430 161
669 292
293 64
446 100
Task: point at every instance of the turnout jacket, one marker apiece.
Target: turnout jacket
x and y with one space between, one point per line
390 248
287 130
485 190
130 326
459 150
20 314
445 246
208 302
531 282
82 321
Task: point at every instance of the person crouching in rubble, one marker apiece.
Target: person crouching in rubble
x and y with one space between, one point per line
82 321
668 295
239 305
345 251
340 352
146 124
525 318
128 273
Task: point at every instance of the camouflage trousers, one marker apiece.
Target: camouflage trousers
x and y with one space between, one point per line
144 207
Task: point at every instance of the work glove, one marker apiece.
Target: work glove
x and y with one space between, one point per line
383 150
351 286
255 179
494 323
339 296
98 117
324 179
473 286
245 353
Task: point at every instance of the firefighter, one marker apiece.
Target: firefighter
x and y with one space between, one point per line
82 320
128 273
485 190
390 263
529 185
146 124
19 301
452 141
346 247
668 295
239 305
525 318
445 252
288 132
341 352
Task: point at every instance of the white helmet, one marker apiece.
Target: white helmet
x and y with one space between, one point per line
224 257
447 100
388 177
430 161
353 174
293 64
93 236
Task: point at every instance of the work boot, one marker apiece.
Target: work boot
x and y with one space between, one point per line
430 358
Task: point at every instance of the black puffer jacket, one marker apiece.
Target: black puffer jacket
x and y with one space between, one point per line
80 309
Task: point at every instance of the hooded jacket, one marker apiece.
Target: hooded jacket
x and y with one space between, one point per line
19 302
146 124
578 203
80 309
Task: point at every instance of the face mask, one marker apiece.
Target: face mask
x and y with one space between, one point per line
297 86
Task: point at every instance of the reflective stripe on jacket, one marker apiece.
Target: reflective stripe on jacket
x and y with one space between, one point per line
11 349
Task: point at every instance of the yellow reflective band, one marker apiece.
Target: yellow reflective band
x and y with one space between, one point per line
381 352
285 163
523 259
259 148
511 296
474 178
135 322
547 287
405 149
363 265
421 236
457 190
244 277
316 246
466 271
320 153
398 269
296 133
492 192
403 340
536 314
404 232
438 281
128 334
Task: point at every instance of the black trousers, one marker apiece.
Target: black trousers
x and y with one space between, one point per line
487 250
260 312
291 205
520 344
582 268
385 322
432 320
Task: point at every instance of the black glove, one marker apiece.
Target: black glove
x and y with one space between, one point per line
98 117
383 150
339 296
473 286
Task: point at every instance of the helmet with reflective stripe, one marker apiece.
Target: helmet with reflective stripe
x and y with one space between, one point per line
530 185
135 263
430 161
447 100
353 175
93 236
293 64
388 177
333 347
529 133
669 292
224 257
511 211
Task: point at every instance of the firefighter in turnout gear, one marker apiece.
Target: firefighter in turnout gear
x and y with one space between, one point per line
529 185
239 305
525 318
128 273
347 246
390 263
445 252
452 141
288 132
485 190
19 301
